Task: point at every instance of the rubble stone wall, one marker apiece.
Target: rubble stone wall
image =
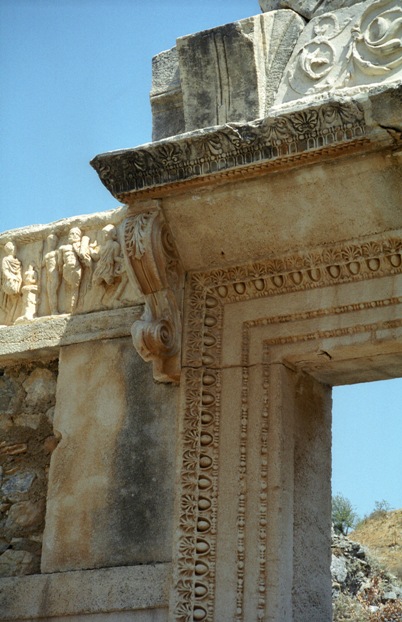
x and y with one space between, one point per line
27 400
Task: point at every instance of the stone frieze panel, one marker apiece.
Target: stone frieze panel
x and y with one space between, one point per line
351 49
65 268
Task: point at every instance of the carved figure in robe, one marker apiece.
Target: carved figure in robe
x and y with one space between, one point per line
110 267
11 279
52 263
108 257
29 291
74 256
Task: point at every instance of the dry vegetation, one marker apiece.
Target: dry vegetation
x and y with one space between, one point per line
382 534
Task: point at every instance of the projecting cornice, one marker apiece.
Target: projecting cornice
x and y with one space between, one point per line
288 136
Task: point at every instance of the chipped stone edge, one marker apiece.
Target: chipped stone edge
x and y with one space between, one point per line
32 233
126 588
180 159
43 336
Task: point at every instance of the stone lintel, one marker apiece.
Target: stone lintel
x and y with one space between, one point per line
44 336
291 134
126 588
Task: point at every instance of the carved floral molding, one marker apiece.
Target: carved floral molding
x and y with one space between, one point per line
208 293
275 138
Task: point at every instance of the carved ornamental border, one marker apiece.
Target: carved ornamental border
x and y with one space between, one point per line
331 126
208 292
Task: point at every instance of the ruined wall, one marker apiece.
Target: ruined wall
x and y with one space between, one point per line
256 264
27 400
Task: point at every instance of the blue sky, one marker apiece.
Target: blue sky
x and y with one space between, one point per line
75 78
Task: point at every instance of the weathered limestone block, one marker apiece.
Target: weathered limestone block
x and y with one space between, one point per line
41 389
232 73
307 8
347 50
111 478
125 593
166 96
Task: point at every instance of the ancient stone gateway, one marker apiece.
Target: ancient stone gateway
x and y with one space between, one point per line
257 262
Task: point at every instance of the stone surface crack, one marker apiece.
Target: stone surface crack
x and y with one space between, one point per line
394 132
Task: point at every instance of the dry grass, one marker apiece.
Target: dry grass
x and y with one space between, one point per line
382 535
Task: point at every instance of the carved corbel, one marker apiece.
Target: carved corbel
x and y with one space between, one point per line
153 265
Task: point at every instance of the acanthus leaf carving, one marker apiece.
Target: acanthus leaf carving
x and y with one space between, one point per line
153 266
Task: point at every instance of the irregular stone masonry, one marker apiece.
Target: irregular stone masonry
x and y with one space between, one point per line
27 400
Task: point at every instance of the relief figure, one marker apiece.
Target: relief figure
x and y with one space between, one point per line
108 257
11 280
29 291
74 256
109 263
52 262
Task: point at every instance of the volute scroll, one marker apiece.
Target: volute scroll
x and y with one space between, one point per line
154 266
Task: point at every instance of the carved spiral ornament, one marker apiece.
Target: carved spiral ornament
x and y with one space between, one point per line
377 47
317 59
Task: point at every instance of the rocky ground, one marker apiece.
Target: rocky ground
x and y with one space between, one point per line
382 534
363 591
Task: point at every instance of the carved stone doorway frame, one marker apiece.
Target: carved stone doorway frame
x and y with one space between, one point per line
267 330
263 344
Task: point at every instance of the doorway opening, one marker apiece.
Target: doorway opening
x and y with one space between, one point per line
367 487
366 444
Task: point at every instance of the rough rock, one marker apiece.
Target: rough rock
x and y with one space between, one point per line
41 388
18 484
338 569
10 396
359 582
17 563
26 515
27 420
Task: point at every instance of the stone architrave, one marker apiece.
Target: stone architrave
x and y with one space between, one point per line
347 50
264 339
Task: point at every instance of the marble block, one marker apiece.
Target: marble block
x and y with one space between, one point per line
348 50
231 73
